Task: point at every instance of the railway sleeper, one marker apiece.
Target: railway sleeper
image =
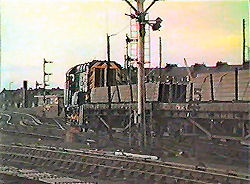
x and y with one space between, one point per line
53 155
142 167
104 162
119 173
150 168
88 159
138 166
45 162
197 176
228 180
161 179
48 154
59 164
40 162
54 163
235 181
110 172
95 161
39 153
72 165
132 174
131 165
78 158
93 169
103 172
151 177
178 173
85 169
6 148
70 157
50 162
116 163
78 167
65 164
124 164
61 157
107 162
140 176
185 182
67 157
159 170
35 160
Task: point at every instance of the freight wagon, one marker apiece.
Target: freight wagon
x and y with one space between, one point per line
97 92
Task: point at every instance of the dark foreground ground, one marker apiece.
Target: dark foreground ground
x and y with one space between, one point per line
6 179
216 154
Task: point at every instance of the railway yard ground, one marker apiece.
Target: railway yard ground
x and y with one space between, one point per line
30 142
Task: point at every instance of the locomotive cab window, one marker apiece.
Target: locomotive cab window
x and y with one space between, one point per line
99 77
112 77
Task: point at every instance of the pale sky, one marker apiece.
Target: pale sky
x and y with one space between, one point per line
69 32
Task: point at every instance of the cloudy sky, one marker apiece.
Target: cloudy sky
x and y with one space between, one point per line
69 32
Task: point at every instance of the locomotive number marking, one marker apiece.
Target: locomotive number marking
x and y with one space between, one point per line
197 94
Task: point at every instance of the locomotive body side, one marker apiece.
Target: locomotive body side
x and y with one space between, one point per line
222 86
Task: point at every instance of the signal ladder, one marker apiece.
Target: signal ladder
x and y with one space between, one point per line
133 45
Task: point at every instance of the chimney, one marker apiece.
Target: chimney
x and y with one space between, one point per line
25 86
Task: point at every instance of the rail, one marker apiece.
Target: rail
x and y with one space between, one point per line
36 121
9 118
59 125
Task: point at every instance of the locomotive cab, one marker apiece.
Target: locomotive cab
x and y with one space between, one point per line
81 79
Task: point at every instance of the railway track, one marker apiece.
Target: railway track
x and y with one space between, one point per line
107 165
38 176
30 134
15 116
19 127
8 118
34 119
217 150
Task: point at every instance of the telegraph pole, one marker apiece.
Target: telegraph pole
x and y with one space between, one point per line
244 43
108 47
0 73
107 73
160 54
140 16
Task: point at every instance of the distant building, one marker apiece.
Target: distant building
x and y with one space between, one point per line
173 73
52 107
49 99
14 98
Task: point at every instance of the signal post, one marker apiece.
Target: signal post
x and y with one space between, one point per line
140 16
